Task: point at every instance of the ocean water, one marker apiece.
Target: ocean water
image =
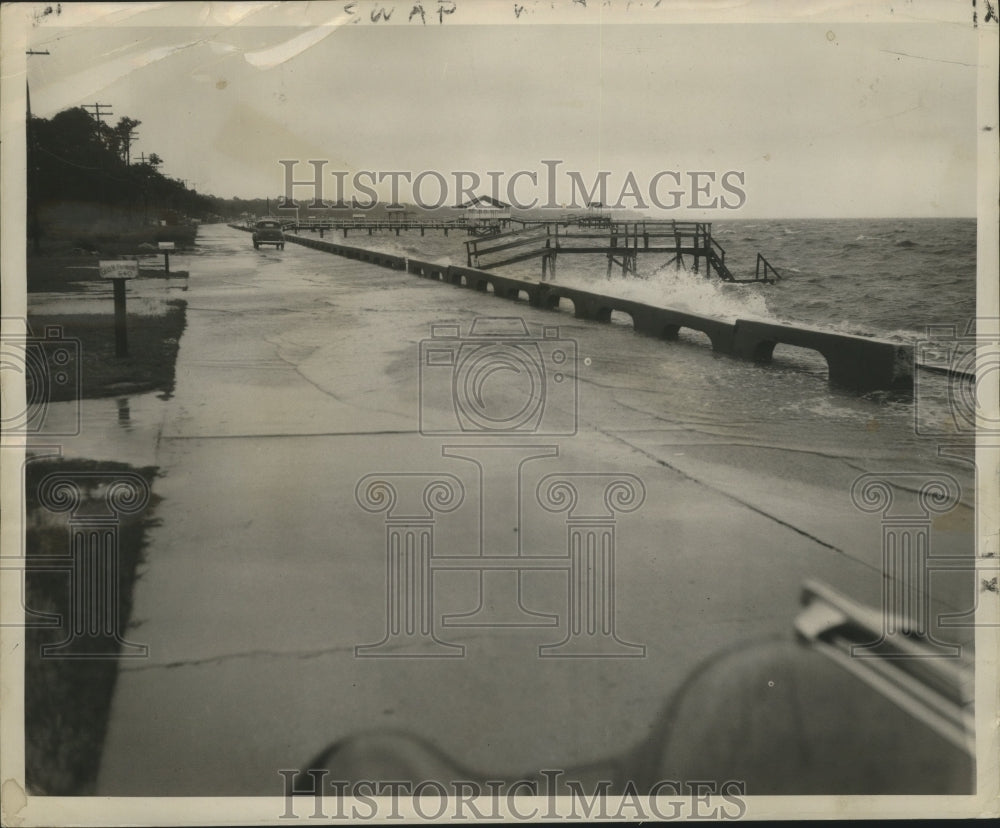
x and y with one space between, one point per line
886 278
889 278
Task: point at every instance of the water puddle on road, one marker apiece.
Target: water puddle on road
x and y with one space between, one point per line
124 428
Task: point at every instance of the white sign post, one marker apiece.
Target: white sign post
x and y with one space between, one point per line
166 247
124 269
118 272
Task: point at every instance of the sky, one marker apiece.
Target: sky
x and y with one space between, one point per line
811 118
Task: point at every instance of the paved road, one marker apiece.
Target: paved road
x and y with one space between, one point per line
298 376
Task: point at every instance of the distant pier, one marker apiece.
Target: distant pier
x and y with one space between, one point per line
371 226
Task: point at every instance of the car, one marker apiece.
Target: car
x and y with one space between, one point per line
268 231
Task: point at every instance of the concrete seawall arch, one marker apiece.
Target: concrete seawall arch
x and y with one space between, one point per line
857 363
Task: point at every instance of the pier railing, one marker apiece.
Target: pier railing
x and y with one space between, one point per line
761 273
620 241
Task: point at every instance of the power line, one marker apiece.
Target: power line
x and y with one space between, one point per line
97 114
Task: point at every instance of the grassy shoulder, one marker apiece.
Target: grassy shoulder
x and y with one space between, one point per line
153 342
68 691
111 240
70 254
70 274
70 259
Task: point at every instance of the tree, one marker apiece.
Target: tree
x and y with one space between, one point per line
124 132
79 163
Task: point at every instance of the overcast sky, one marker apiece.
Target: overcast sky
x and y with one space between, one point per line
823 119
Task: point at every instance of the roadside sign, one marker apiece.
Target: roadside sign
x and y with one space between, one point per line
165 245
119 269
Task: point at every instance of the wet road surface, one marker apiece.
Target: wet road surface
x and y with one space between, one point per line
299 374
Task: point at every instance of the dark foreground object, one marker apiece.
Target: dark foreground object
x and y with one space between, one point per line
776 716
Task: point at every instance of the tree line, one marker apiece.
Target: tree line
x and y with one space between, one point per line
76 159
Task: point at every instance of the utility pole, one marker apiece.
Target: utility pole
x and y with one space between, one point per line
97 114
129 138
143 159
26 87
35 229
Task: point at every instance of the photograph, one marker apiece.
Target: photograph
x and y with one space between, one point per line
510 410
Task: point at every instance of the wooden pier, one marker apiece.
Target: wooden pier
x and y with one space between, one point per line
620 241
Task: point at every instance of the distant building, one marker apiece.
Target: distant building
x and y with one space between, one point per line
483 211
597 214
395 212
